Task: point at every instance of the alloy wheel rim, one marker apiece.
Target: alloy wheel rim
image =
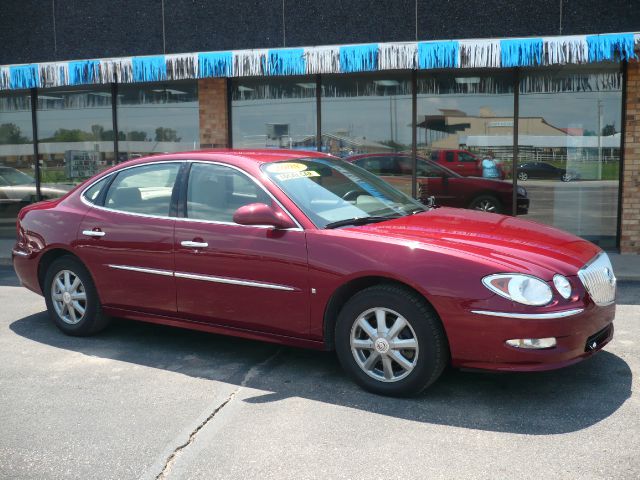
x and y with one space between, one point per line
523 176
486 206
384 344
69 297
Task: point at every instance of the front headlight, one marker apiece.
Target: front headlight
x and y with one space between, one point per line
522 191
520 288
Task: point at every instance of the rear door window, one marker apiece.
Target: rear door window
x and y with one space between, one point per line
146 189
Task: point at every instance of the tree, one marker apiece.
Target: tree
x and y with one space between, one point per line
166 135
609 130
10 133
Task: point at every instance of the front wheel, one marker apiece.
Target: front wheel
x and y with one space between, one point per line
565 177
486 203
72 299
390 341
523 176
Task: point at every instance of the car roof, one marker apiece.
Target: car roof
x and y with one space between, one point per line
256 155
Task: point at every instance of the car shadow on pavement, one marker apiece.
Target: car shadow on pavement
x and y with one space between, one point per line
543 403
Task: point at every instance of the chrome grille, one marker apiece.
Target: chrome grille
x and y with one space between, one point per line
598 278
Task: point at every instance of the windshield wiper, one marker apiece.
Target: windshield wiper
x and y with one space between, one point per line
360 221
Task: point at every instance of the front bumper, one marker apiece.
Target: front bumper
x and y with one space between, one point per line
578 336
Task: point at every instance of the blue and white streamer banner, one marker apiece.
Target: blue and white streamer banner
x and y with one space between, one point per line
215 64
565 50
613 46
83 72
117 70
23 76
521 52
149 69
322 59
248 63
397 56
54 74
359 58
4 78
444 54
182 66
479 53
286 61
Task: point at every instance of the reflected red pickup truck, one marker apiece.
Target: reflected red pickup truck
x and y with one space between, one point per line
462 162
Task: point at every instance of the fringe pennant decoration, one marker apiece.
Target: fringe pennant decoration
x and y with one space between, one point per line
247 63
23 76
149 69
564 50
83 71
521 52
359 58
182 66
289 61
117 70
215 64
322 59
4 78
55 74
397 56
438 54
479 53
611 46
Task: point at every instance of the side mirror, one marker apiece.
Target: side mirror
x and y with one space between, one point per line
262 214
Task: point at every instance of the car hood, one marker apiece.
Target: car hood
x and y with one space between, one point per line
513 244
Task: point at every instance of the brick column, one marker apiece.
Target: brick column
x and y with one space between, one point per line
630 234
214 118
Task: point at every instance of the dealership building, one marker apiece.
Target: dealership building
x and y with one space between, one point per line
87 84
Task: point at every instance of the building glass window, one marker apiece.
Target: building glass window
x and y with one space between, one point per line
17 182
465 127
274 113
75 136
157 118
368 113
569 148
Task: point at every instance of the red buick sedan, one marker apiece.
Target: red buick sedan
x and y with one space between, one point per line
303 249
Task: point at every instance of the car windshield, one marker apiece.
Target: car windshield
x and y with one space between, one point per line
333 193
15 177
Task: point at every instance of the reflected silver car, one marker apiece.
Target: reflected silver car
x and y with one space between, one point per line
18 189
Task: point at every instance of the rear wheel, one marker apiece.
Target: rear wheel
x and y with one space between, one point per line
486 203
522 176
390 341
565 177
72 299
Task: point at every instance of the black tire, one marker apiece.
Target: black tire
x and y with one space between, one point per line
565 177
93 319
486 203
523 176
433 351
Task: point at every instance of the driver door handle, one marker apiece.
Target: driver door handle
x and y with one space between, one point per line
93 233
190 244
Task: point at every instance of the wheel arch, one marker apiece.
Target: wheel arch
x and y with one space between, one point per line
347 290
48 258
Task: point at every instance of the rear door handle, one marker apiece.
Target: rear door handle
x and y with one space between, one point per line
190 244
93 233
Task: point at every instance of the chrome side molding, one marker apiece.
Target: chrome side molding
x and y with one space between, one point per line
232 281
204 278
531 316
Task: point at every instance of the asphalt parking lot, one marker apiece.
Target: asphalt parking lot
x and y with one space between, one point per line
145 401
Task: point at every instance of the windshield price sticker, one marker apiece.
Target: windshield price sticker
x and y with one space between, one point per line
288 167
292 175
